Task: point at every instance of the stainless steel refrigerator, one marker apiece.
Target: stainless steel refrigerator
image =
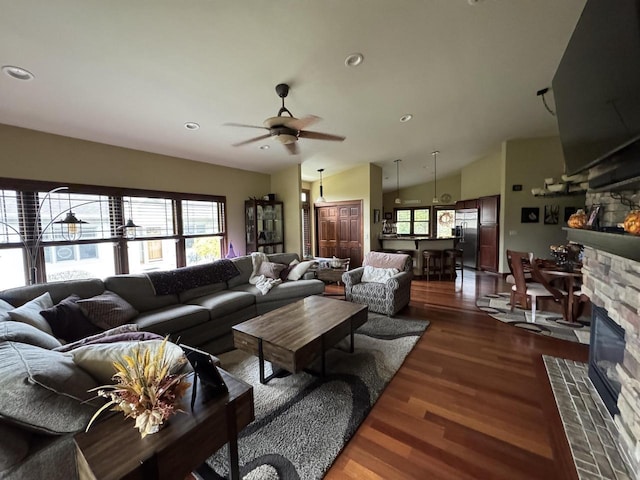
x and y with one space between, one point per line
467 236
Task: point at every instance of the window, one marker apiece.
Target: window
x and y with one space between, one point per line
445 222
412 221
174 230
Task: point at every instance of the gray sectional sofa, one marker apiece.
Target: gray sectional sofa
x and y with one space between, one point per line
201 317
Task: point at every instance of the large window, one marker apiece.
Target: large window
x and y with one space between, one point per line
173 230
417 221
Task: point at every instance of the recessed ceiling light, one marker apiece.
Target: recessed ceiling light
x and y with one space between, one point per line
354 60
265 147
406 118
191 126
18 73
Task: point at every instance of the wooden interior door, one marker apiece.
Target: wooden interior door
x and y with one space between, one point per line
339 231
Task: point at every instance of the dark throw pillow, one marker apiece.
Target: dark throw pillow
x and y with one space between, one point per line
271 270
67 320
107 310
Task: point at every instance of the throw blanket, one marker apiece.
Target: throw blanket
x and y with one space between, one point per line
181 279
262 283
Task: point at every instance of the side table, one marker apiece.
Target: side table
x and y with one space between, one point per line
112 449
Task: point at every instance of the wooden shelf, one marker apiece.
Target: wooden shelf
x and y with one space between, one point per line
622 244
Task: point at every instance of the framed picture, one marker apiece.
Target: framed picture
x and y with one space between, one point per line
592 222
376 215
568 211
388 216
530 215
551 214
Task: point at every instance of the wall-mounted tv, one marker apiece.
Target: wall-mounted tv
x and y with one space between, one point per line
597 84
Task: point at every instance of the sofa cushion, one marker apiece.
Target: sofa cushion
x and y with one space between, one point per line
138 291
245 267
107 310
68 322
300 269
5 308
284 258
30 312
14 447
285 291
172 319
223 303
192 293
43 390
97 359
24 333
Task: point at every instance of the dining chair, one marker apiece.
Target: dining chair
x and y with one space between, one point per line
526 293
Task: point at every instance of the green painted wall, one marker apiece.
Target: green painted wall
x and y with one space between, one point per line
287 185
422 195
28 154
483 177
528 163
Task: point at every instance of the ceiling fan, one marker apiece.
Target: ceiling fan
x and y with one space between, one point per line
287 130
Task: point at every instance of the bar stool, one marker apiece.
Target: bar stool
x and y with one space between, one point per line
452 261
432 263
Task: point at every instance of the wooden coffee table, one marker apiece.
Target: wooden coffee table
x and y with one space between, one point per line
294 335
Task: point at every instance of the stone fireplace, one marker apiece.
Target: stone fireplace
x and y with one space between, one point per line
612 282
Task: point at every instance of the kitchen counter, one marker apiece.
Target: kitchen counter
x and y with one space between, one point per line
414 245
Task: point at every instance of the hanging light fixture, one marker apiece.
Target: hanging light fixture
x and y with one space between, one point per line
321 197
71 227
397 200
435 177
129 229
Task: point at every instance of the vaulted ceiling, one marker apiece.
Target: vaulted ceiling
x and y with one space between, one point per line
133 73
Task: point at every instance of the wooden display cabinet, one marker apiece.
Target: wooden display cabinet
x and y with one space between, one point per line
264 226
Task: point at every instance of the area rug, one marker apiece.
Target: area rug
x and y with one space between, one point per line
303 421
547 323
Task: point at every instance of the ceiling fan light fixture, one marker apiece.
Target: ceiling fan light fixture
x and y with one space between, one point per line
285 138
354 60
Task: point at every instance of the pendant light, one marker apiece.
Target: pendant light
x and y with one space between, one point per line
397 200
321 197
71 227
435 177
129 229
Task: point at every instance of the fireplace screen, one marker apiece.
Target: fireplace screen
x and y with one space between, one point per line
607 350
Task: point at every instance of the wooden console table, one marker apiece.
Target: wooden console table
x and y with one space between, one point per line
112 449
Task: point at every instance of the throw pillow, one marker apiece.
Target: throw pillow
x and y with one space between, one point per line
378 275
126 328
67 320
299 270
107 310
30 312
24 333
42 390
285 272
97 359
270 269
5 307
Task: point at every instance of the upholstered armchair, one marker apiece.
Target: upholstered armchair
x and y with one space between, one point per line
387 298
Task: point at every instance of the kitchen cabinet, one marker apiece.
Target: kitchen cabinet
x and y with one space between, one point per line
264 226
489 232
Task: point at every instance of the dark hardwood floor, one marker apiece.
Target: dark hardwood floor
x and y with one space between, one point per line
471 401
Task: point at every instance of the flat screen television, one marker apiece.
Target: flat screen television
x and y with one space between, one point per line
597 85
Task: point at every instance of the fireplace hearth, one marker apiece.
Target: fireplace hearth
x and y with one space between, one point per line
605 353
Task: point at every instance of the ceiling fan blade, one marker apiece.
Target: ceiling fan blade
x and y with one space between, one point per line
292 147
243 125
321 136
302 123
251 140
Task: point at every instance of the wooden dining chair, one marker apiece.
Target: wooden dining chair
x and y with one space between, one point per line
526 293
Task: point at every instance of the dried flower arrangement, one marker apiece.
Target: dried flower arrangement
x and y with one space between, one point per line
145 389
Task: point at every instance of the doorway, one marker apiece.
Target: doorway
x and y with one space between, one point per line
339 231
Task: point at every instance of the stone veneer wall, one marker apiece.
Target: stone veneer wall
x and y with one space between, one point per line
613 208
613 283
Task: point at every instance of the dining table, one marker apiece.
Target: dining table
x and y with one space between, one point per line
571 277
